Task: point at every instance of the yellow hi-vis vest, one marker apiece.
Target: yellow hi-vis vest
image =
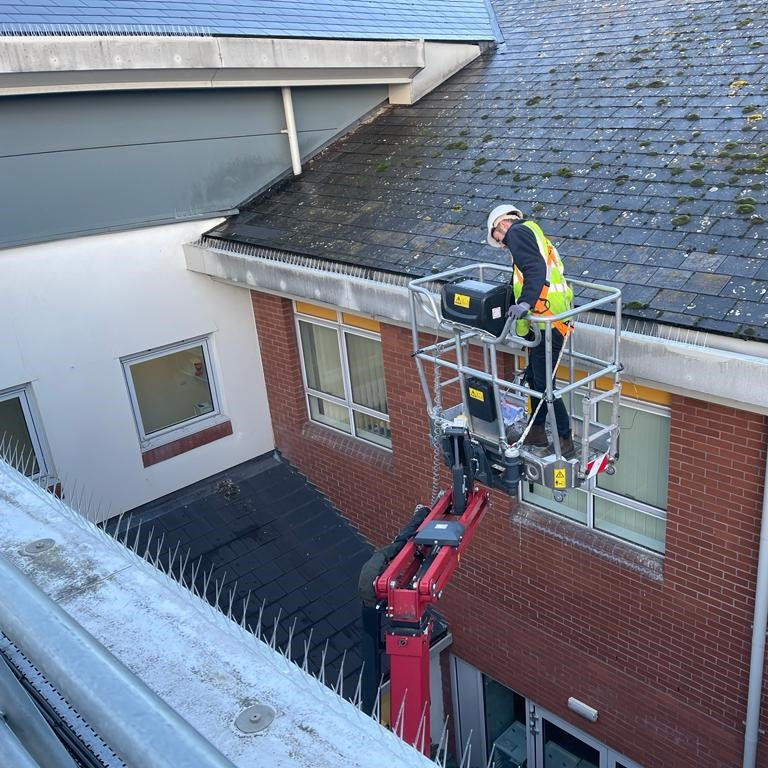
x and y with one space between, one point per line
555 297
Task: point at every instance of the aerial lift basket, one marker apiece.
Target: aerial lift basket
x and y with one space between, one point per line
478 401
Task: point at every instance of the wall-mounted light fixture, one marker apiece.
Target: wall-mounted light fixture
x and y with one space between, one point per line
580 708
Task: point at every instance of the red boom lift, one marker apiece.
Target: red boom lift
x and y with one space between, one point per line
482 442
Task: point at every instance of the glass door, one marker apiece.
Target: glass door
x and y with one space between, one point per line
560 745
505 726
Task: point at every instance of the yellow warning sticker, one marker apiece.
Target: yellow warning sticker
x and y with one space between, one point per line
476 394
461 300
560 478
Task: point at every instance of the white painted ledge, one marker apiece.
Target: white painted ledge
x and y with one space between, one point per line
442 61
49 64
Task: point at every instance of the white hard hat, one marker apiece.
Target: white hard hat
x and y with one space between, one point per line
497 212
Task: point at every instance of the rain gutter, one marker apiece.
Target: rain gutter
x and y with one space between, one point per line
732 372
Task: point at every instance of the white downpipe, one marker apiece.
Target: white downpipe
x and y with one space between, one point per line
759 622
290 129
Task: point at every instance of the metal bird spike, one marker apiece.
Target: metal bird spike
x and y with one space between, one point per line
183 571
275 625
232 593
124 542
288 653
159 549
219 586
261 616
442 744
246 600
418 742
376 711
172 558
489 764
338 688
116 532
467 754
14 462
357 698
149 543
321 676
400 721
207 582
135 546
195 570
28 456
307 643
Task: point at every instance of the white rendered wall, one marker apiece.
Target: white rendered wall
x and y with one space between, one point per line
69 310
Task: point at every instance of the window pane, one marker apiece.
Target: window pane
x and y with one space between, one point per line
504 725
15 433
564 750
366 372
321 358
329 413
642 469
172 389
373 429
574 506
630 524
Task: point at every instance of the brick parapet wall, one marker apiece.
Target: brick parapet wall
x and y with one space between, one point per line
661 654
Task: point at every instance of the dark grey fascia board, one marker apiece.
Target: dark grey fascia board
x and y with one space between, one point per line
719 369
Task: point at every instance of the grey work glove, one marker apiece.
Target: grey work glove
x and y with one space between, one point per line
516 311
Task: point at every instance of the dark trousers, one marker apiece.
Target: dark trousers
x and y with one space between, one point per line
537 379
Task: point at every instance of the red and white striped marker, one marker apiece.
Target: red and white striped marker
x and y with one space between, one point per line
597 465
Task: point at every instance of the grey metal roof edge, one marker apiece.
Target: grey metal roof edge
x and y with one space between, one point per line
733 372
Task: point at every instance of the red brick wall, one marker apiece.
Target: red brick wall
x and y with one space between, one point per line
551 609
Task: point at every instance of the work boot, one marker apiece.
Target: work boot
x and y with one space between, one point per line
567 448
537 437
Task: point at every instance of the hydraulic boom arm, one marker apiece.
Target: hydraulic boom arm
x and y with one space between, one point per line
410 585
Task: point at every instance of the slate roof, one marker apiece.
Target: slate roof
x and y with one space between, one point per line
633 132
351 19
263 528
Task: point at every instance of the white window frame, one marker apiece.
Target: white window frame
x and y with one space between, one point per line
347 402
592 490
38 444
190 426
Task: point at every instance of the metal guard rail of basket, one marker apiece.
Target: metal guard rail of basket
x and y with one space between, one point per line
425 300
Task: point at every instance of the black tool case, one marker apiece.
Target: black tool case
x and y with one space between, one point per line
476 304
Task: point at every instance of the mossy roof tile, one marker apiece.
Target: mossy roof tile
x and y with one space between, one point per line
555 95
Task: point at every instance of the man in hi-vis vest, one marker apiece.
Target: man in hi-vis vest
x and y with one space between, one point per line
539 282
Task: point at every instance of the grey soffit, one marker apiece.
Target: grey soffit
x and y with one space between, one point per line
632 132
262 528
349 19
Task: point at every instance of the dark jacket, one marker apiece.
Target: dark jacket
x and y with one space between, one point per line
527 258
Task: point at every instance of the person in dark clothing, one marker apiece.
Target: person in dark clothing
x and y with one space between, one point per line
539 283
